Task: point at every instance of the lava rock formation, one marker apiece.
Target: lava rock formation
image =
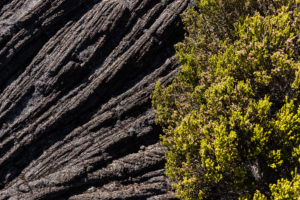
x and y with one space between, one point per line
75 114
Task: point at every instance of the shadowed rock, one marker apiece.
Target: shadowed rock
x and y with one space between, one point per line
75 114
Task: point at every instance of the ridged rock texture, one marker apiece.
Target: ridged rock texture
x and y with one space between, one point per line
75 111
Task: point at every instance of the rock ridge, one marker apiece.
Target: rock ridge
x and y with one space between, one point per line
75 115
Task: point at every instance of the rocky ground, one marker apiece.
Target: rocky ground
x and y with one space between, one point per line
75 115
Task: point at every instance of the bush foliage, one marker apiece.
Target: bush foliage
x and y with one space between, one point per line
231 117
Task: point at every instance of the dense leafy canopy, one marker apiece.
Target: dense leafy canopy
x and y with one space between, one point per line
231 117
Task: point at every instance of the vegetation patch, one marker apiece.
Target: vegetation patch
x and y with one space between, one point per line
231 117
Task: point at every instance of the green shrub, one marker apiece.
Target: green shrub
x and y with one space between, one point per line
232 117
283 189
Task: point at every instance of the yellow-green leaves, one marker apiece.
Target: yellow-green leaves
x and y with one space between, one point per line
258 196
231 117
285 189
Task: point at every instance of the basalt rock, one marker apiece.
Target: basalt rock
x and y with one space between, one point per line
75 114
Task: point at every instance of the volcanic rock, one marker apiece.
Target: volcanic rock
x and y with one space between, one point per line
75 111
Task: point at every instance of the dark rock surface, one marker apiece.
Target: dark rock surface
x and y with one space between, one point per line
75 114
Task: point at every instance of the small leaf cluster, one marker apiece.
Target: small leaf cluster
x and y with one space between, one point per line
231 117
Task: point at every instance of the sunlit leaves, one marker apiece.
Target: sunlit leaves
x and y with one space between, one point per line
231 117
